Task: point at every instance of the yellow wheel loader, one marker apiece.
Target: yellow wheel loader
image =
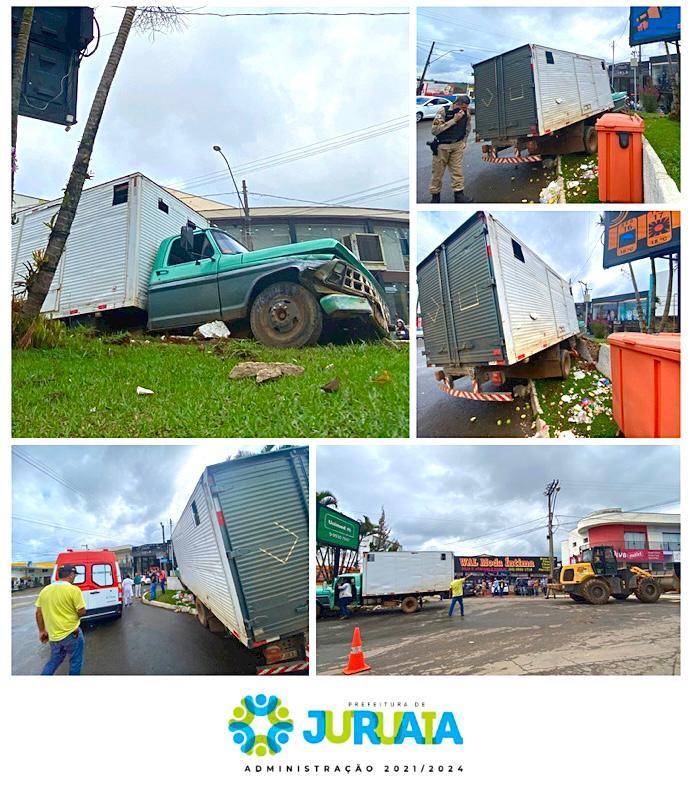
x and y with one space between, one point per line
598 576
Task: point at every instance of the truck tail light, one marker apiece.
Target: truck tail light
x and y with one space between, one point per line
276 652
497 378
497 352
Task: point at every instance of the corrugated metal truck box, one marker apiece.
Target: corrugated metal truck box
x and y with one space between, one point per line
110 252
487 299
241 545
535 90
406 572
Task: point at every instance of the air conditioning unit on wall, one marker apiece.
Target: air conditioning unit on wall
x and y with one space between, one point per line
367 247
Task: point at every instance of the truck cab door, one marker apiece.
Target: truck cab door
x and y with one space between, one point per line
184 291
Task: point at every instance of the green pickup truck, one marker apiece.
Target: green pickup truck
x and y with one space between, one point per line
327 600
287 293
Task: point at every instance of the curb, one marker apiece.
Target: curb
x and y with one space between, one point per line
166 606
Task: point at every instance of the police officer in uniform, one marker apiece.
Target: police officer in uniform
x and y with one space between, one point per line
450 128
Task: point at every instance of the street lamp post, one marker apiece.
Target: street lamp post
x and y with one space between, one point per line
243 203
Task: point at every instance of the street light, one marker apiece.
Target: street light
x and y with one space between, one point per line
242 203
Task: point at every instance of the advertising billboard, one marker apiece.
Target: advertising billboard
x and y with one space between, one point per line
649 24
634 235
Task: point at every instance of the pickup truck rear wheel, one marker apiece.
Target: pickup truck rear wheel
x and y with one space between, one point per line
286 314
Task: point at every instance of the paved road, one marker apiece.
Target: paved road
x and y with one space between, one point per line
512 636
486 183
440 416
145 641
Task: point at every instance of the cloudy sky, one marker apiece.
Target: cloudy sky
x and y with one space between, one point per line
104 495
257 86
485 32
489 499
570 242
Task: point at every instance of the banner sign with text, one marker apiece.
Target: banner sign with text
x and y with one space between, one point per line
634 235
493 563
337 530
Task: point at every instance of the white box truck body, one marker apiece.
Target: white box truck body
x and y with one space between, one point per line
241 548
404 573
111 248
490 305
540 99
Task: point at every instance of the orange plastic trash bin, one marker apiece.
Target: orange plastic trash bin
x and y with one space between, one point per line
645 371
620 160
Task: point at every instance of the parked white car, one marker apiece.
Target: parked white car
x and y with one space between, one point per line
428 106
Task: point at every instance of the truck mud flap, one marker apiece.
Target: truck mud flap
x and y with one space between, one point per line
512 159
477 394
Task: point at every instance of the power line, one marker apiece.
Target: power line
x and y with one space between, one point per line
272 13
61 527
350 137
47 470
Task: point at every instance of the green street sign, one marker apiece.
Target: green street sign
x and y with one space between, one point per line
335 529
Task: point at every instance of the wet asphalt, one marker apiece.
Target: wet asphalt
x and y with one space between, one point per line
511 636
484 183
438 415
145 641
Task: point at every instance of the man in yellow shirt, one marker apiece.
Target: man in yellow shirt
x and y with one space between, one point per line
456 588
59 608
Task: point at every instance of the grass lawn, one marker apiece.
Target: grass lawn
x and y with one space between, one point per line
664 136
587 191
556 412
86 388
168 598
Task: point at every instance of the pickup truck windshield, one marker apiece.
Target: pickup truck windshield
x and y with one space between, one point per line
227 244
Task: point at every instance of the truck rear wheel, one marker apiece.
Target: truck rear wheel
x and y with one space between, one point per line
596 591
565 364
590 140
202 614
409 604
286 314
648 590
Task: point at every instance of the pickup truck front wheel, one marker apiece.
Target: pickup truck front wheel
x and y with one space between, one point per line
285 314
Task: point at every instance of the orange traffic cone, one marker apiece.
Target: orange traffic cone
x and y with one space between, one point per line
356 659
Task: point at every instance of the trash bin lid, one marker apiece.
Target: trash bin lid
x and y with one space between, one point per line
618 121
661 345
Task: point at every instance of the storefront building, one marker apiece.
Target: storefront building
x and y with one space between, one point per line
379 237
148 555
31 575
646 539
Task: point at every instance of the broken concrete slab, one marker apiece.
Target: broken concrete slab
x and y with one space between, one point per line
264 371
217 329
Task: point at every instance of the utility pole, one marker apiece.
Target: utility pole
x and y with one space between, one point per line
419 89
587 302
246 211
551 492
612 70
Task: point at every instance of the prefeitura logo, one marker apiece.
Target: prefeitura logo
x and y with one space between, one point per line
251 713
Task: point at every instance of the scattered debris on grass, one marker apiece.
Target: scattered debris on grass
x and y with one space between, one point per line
143 392
264 371
385 377
331 386
217 329
550 194
580 406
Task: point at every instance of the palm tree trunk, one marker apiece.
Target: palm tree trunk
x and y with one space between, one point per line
669 294
17 75
63 223
640 311
652 298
